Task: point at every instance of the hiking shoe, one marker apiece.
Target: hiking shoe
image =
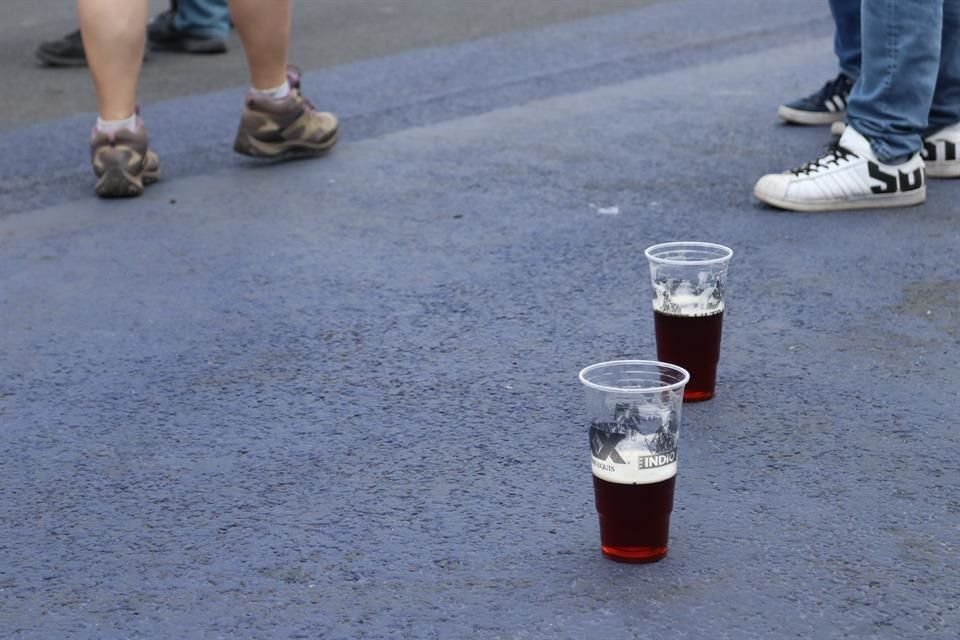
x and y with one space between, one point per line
63 52
847 176
823 107
286 128
941 151
163 35
122 162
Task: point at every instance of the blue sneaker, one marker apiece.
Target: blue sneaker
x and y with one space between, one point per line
823 107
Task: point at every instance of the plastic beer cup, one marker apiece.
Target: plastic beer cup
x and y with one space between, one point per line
633 412
689 282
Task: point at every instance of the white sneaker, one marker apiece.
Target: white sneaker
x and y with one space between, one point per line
941 153
847 176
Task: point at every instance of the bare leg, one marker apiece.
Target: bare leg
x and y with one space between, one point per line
264 29
113 38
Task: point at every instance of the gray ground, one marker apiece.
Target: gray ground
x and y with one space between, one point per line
338 398
326 33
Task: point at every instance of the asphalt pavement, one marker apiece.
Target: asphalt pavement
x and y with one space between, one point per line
325 33
338 398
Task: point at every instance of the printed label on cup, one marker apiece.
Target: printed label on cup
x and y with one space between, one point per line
633 458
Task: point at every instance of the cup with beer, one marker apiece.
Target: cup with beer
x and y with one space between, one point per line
633 412
689 279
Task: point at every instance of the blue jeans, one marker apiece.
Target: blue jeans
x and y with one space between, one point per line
203 17
846 40
909 84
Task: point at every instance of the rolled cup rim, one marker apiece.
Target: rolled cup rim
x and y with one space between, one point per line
727 253
635 390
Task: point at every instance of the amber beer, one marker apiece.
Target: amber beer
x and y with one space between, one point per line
634 519
692 342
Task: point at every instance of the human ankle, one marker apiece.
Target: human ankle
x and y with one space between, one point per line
276 93
113 126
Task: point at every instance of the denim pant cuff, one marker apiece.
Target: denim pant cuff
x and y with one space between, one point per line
851 72
885 153
200 32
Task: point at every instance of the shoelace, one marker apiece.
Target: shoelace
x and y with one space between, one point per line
834 154
840 85
293 77
306 102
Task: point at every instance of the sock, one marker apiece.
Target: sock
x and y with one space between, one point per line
277 93
112 126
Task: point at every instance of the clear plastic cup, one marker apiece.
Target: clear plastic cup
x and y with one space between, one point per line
633 411
689 284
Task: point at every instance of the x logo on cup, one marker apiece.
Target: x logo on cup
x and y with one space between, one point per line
604 445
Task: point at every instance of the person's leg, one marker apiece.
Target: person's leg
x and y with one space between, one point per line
277 121
941 144
113 39
846 40
945 110
877 161
828 105
264 29
890 104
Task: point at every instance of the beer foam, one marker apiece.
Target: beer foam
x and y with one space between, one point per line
685 301
634 471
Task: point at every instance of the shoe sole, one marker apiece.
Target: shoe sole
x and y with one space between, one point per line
247 145
910 199
117 182
951 170
58 61
796 116
197 46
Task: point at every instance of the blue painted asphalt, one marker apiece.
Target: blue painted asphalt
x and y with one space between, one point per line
338 398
